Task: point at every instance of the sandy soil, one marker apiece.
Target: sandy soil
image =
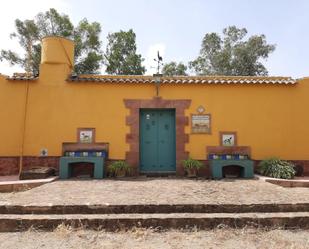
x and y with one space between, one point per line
64 237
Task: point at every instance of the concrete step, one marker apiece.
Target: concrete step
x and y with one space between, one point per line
113 222
153 208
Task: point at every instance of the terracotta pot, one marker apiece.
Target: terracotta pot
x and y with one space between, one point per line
120 173
191 172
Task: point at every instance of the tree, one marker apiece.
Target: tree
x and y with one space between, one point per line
121 57
88 55
172 69
232 54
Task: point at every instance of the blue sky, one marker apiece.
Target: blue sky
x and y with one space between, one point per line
176 28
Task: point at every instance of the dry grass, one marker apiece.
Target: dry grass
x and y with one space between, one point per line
67 237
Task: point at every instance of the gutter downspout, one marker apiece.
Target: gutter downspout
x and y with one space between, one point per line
21 154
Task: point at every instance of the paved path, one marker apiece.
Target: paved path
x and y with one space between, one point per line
156 191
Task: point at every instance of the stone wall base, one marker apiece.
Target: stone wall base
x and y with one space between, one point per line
9 166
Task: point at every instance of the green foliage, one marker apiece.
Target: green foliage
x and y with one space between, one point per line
12 57
172 69
88 56
53 23
118 167
232 54
277 168
121 57
27 33
191 164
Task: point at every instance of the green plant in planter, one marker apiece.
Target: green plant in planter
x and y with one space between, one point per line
119 168
274 167
191 166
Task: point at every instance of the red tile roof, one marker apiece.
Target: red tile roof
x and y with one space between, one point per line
139 79
184 79
22 76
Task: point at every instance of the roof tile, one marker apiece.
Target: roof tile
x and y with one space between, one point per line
23 76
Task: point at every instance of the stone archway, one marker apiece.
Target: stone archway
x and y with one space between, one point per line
132 138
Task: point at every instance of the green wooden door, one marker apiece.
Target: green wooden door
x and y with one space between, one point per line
157 140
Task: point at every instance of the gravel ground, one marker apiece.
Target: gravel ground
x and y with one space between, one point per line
220 238
156 191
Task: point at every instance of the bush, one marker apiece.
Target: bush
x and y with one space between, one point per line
277 168
119 167
191 164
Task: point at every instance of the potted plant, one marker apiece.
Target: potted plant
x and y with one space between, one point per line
191 166
119 168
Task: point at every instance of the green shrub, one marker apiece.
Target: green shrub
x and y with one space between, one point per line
191 164
119 166
277 168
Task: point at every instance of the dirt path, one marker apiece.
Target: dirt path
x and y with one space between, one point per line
156 191
219 238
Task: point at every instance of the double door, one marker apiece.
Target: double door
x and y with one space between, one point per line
157 140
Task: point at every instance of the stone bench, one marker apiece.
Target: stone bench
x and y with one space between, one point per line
83 153
217 166
234 153
65 170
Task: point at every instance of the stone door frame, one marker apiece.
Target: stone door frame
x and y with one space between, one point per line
132 120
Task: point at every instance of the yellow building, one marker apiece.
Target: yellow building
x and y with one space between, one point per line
152 123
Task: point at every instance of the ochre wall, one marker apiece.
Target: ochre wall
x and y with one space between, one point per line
272 119
12 102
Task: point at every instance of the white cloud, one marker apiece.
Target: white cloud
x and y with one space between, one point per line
13 9
149 63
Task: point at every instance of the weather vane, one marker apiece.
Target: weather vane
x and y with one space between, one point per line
159 60
158 76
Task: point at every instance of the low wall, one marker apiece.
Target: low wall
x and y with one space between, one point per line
9 166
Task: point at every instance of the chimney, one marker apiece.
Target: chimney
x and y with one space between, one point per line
57 56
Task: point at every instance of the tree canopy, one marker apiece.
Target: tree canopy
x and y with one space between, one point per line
121 57
88 54
174 69
231 54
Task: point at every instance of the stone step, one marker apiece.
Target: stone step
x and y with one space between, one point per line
153 208
113 222
22 185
